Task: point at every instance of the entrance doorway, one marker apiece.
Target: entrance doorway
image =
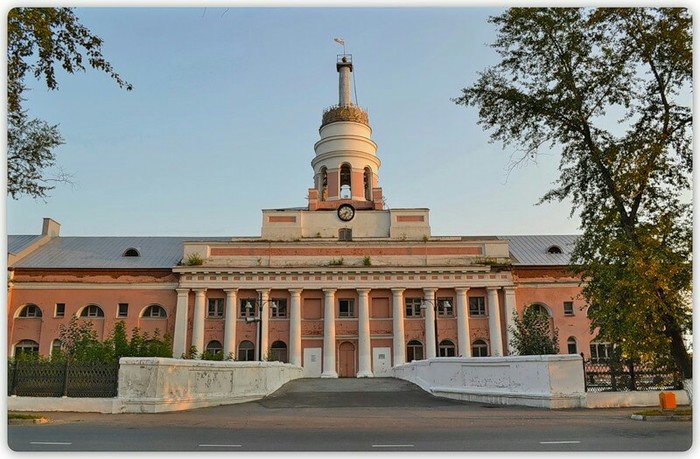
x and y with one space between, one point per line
346 360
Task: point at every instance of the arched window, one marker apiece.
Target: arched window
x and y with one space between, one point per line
571 346
246 351
26 346
414 350
56 346
214 347
278 352
30 310
541 309
446 348
345 181
368 183
92 310
554 249
479 348
155 311
323 186
131 252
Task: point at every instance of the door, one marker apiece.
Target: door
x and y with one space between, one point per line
312 362
346 360
382 361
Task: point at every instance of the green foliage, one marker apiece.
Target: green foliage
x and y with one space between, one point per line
609 87
194 259
39 40
533 334
336 262
367 261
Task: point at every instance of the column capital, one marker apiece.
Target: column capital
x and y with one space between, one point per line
397 291
363 291
200 291
509 288
182 291
428 290
263 290
492 288
329 291
461 290
231 290
295 291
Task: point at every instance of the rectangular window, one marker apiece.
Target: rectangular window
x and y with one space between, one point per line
248 307
445 307
123 310
568 308
477 306
60 309
413 307
215 309
600 352
346 308
281 309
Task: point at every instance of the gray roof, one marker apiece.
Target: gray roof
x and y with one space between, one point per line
107 252
17 243
533 250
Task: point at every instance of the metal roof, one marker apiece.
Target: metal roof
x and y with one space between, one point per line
533 250
108 252
17 243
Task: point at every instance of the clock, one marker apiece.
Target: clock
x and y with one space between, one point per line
346 212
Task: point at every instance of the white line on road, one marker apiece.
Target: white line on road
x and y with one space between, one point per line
563 442
393 446
50 443
205 445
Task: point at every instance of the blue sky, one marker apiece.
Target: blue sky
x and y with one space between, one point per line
226 108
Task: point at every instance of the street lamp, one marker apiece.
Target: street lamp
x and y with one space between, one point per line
446 305
258 319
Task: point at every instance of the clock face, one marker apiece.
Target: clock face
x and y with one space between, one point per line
346 212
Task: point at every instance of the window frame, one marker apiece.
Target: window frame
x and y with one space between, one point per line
280 312
124 313
350 304
480 344
442 310
567 312
59 310
413 304
249 351
479 306
447 347
86 312
215 308
244 312
411 348
148 312
30 311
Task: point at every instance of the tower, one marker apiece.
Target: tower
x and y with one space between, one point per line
346 165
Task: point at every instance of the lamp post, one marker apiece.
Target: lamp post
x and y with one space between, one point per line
258 319
434 303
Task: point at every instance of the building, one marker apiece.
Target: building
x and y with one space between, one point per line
342 286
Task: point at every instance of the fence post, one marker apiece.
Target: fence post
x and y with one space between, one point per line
65 378
585 376
633 382
14 378
613 381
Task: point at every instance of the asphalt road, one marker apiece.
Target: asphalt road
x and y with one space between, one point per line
353 415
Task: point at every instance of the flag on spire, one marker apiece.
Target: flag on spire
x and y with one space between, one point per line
339 41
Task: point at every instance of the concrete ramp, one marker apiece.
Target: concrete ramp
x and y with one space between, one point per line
351 392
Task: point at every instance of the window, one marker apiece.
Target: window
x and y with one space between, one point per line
367 176
247 307
414 350
30 311
345 181
600 352
444 307
345 234
346 308
60 309
540 309
413 307
446 348
214 347
26 346
554 249
123 310
571 346
246 351
479 348
92 310
281 309
56 346
568 308
278 352
131 252
477 306
215 309
154 311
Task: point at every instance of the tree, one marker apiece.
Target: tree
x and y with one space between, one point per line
609 88
533 334
38 40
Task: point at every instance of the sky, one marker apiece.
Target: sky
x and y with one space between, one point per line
226 107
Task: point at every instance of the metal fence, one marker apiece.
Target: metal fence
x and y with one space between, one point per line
612 376
63 379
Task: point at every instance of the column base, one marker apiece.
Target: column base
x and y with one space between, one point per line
329 374
365 374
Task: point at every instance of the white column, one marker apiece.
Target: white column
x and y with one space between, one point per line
180 333
264 322
364 341
230 320
510 309
429 308
463 345
295 327
198 320
329 334
495 335
399 339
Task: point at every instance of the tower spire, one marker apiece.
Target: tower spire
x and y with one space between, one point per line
344 67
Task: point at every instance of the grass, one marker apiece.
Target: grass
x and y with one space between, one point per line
22 416
658 412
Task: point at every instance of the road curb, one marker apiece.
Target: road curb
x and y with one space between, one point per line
641 417
25 422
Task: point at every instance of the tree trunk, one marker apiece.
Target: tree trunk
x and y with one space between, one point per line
678 350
